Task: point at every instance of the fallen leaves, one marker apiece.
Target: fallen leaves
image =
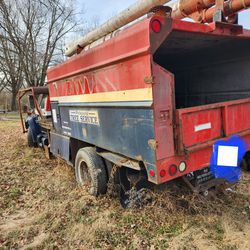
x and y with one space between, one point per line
42 207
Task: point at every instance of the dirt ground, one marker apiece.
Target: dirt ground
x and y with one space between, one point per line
41 207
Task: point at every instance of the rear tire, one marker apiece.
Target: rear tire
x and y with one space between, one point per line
246 162
90 171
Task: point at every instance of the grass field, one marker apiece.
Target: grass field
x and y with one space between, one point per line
41 207
9 116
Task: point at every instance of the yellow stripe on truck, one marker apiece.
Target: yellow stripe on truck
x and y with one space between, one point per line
132 95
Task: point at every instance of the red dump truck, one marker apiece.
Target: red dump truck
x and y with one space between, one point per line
151 100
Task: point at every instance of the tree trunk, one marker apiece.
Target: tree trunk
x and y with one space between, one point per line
13 101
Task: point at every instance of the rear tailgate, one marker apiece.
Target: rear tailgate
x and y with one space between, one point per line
199 126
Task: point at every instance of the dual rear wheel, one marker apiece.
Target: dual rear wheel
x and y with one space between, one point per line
90 172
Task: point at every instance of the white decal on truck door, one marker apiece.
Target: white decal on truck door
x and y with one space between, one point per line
84 116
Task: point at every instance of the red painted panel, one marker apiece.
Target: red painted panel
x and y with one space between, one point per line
163 95
191 26
122 76
211 28
200 126
47 105
237 117
196 160
131 42
226 118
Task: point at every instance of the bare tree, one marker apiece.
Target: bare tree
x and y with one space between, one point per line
31 33
3 82
90 25
11 73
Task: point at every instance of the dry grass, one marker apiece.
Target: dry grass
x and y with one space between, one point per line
42 208
9 116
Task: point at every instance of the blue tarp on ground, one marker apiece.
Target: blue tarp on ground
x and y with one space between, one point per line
227 157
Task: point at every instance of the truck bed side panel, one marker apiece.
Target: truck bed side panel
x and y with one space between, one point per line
122 130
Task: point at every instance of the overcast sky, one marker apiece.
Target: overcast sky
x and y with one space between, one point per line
107 8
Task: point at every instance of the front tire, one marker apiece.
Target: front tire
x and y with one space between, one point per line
30 139
90 171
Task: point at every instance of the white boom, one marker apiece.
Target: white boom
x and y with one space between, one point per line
140 8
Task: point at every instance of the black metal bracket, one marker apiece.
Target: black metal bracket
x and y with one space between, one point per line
219 14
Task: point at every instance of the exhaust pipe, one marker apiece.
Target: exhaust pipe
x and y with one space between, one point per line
140 8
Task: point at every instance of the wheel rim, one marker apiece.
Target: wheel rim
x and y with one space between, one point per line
84 175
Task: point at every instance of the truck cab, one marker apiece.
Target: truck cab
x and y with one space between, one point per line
35 115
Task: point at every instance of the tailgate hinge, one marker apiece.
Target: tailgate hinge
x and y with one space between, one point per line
149 79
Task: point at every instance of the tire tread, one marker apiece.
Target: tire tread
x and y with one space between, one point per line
96 168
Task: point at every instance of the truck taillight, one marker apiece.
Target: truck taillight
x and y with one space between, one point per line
156 26
152 173
172 170
162 173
